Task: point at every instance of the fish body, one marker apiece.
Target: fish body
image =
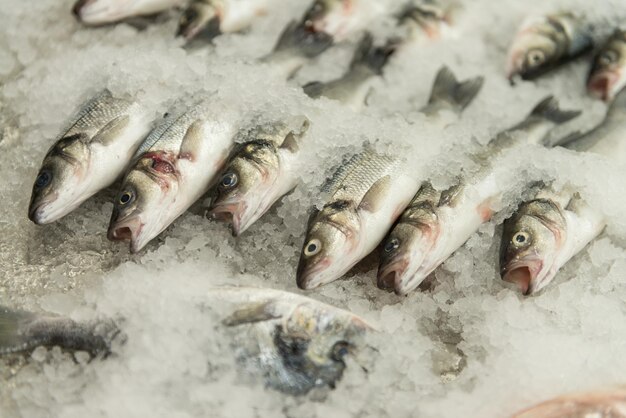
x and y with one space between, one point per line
230 15
173 168
88 157
546 232
295 342
101 12
437 223
608 73
599 404
544 42
261 170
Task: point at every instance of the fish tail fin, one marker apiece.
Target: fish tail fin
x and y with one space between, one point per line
10 338
374 58
549 109
459 94
313 89
307 43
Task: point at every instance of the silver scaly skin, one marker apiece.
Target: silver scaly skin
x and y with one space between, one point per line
101 12
545 42
608 71
88 157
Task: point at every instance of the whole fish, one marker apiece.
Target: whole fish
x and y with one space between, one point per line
608 75
173 168
227 15
101 12
260 171
265 169
88 157
548 231
544 42
436 223
296 343
341 19
353 87
600 404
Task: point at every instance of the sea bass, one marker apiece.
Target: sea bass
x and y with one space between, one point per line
266 168
353 87
101 12
600 404
437 223
173 168
545 42
227 15
89 156
547 232
425 20
608 74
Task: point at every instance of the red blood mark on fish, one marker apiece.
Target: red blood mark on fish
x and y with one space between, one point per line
161 162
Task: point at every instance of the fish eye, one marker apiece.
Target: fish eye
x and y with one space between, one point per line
229 180
340 350
126 197
520 238
391 245
535 57
43 179
312 247
607 57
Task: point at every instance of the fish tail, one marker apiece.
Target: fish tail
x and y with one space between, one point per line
374 58
10 339
313 89
306 42
549 109
457 93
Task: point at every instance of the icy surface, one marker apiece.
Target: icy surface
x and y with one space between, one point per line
468 347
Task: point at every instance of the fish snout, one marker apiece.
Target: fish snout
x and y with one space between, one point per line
523 275
79 5
309 276
390 275
231 213
602 84
127 230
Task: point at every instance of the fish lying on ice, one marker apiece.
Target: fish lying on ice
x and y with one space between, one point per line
546 232
545 42
436 223
89 156
172 169
600 404
227 15
364 197
425 20
101 12
608 73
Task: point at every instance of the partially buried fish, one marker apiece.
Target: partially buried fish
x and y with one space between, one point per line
436 223
89 156
610 403
172 169
226 15
546 232
101 12
425 20
608 71
365 196
544 42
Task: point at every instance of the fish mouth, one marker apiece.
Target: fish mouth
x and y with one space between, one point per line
311 278
390 276
232 213
603 84
39 215
127 230
524 275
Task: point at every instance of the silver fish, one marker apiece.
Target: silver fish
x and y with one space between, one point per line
173 168
545 42
426 19
610 403
88 157
608 73
436 223
101 12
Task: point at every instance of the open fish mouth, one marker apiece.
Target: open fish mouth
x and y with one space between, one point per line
231 213
311 278
391 275
127 230
602 85
524 275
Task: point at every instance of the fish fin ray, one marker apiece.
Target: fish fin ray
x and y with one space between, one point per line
374 198
192 141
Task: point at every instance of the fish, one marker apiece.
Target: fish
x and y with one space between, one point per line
88 156
21 332
365 196
228 15
607 75
436 223
607 403
296 343
173 168
341 19
260 171
353 87
425 20
102 12
546 232
543 43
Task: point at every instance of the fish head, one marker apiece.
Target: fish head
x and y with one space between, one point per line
97 12
141 208
531 54
530 244
313 344
61 181
327 15
607 76
243 188
196 17
330 244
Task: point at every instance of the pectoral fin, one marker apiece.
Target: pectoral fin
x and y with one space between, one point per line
111 131
256 312
375 196
192 142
